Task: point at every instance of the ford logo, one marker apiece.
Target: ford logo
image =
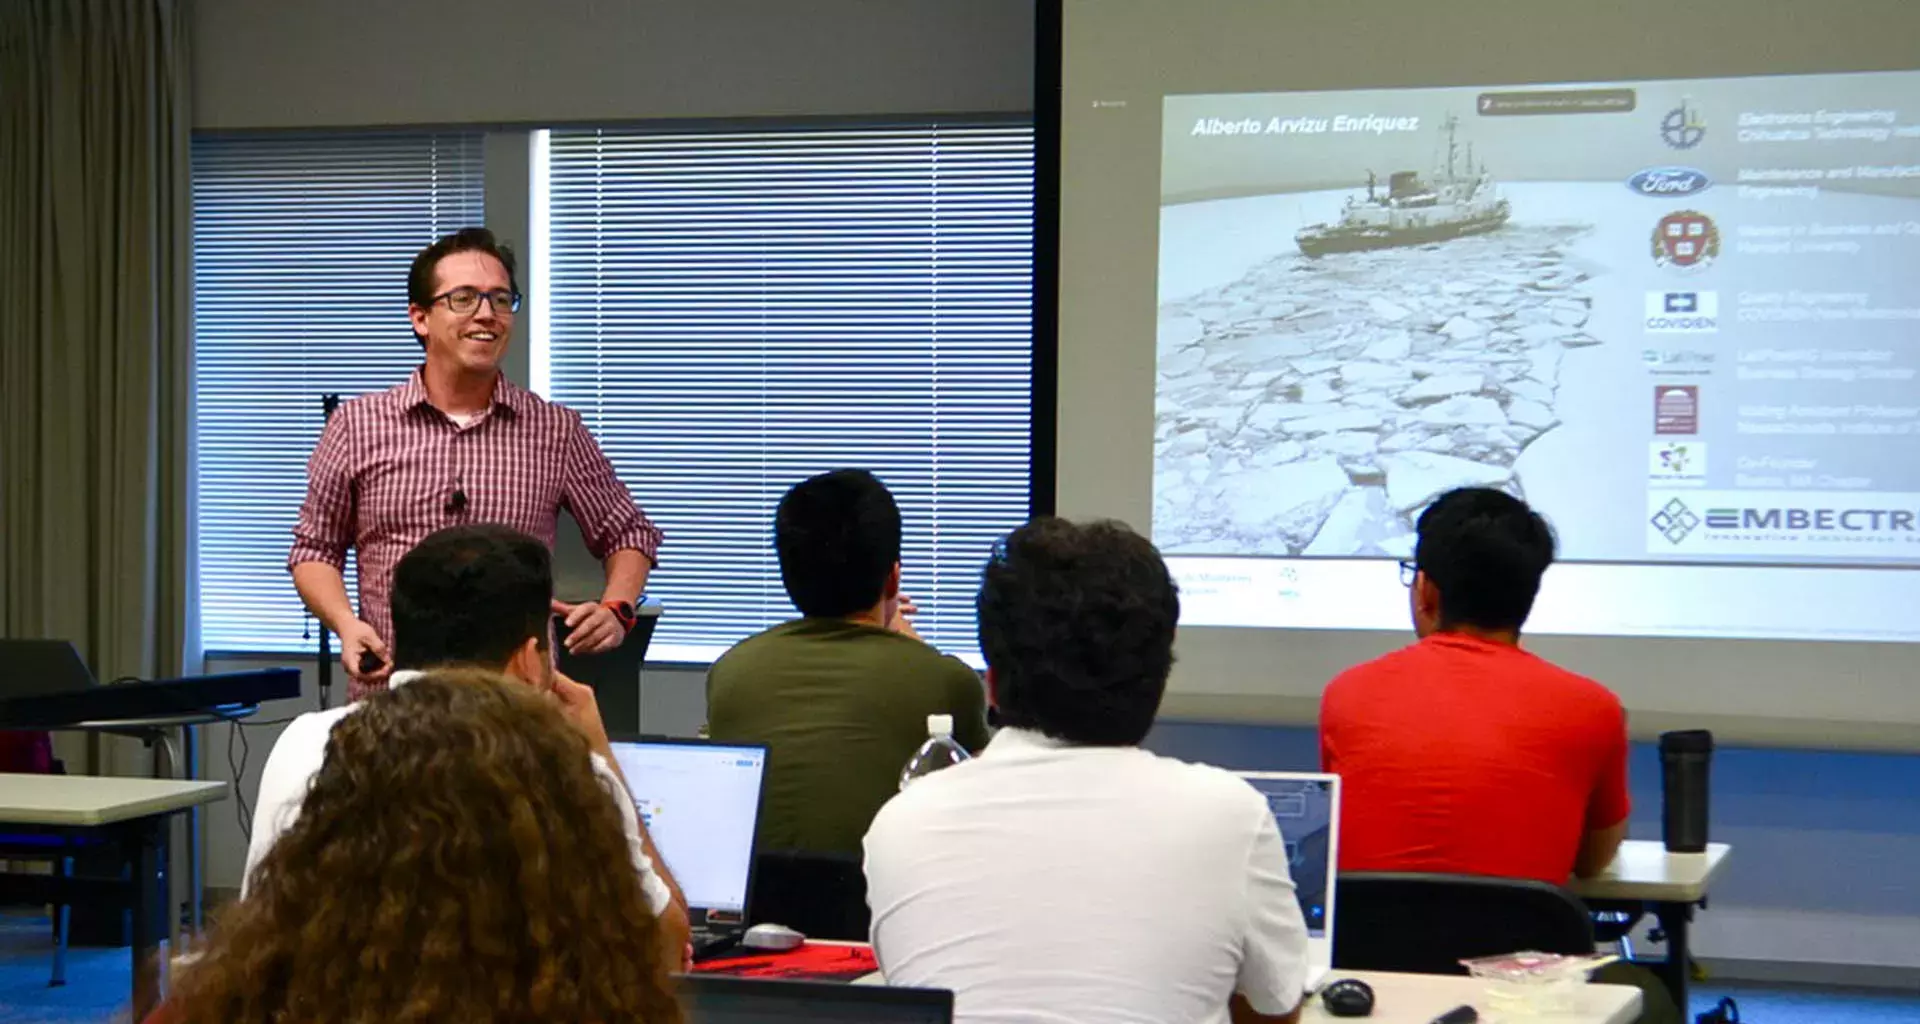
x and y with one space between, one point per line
1669 181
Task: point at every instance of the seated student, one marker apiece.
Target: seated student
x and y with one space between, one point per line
841 695
474 596
450 864
1464 753
1065 874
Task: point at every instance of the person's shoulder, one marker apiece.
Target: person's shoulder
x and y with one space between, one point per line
913 649
1573 686
1203 799
314 727
375 404
535 408
930 797
768 641
301 748
1200 791
1381 671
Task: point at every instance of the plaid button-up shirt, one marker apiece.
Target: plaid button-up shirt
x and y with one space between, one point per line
389 466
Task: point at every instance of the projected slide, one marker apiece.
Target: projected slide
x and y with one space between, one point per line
1679 317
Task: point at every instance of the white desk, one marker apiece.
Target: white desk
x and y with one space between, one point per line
1644 870
1668 884
1419 998
88 801
128 816
168 762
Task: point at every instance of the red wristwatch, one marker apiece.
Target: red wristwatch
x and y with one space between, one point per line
623 610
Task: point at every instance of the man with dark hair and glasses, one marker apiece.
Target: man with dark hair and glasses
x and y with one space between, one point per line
1464 753
458 443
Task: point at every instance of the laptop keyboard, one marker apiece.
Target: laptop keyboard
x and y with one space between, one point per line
710 944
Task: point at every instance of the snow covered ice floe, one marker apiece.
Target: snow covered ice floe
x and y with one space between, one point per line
1317 406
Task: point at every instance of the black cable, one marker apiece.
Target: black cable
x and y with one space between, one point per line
243 814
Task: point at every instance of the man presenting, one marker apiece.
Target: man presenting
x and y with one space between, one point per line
457 444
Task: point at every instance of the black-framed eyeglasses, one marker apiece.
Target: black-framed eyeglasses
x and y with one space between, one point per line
1408 571
467 300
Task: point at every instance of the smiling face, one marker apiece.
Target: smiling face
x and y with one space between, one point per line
472 342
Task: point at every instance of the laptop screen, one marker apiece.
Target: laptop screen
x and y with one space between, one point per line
708 999
1303 806
701 803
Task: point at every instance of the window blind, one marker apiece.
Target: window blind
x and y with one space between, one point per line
301 246
734 311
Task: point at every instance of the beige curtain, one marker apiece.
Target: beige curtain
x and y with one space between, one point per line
95 331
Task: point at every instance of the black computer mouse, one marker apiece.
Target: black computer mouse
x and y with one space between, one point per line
1348 997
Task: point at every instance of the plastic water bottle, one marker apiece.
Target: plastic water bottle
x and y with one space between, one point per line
940 751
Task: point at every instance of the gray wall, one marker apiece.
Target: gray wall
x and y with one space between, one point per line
304 64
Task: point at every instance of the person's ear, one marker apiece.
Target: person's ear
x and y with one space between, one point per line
893 582
530 663
1426 598
993 688
418 314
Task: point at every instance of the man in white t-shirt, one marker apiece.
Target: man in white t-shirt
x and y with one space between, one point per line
478 597
1065 874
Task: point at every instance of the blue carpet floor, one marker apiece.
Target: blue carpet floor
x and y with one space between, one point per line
97 989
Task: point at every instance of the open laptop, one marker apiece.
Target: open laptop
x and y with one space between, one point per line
1306 806
33 668
711 999
700 802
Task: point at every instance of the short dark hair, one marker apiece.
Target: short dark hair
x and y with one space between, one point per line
424 272
470 595
838 538
1077 624
1484 551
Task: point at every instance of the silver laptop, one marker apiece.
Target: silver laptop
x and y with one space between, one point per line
1306 805
700 802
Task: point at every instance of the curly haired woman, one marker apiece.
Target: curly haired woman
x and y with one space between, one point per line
450 864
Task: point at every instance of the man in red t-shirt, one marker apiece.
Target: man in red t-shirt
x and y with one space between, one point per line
1463 753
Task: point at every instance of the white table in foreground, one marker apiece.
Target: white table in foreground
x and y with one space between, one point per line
85 801
126 816
1419 998
1644 870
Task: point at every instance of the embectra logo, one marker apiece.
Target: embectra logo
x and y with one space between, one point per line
1683 312
1663 182
1743 522
1674 521
1851 520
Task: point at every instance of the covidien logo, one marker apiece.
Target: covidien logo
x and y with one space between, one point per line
1690 312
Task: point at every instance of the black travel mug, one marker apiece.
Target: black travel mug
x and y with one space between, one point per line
1684 759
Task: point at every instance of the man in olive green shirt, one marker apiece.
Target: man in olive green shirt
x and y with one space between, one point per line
841 695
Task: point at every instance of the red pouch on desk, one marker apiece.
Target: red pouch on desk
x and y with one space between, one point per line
811 962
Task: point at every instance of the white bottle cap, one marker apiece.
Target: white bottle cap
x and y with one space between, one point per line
939 725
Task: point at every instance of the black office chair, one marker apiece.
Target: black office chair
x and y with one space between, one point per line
824 895
1427 924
